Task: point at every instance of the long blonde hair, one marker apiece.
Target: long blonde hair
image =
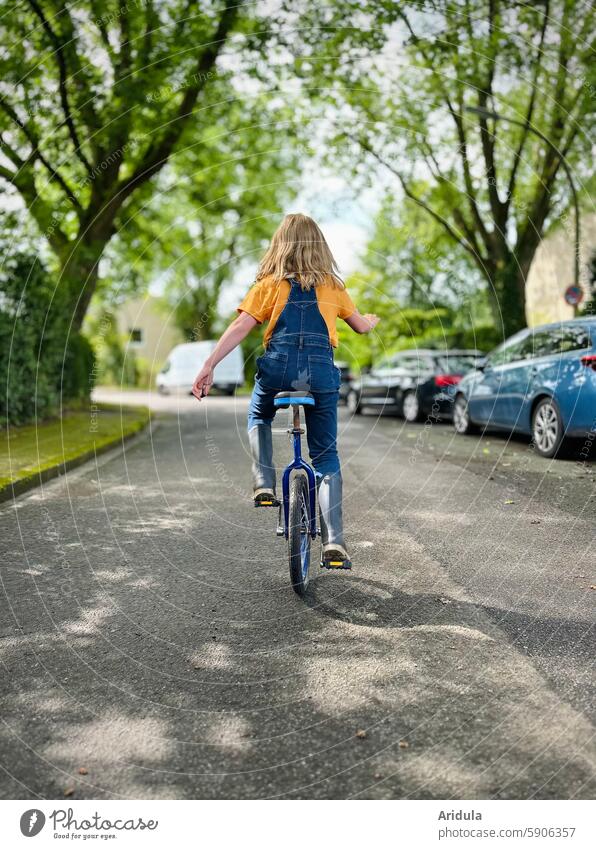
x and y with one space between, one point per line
298 249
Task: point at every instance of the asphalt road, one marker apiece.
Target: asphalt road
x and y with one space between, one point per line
151 646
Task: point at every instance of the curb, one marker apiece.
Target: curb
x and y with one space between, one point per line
13 490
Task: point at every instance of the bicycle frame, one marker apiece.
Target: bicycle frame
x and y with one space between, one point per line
299 463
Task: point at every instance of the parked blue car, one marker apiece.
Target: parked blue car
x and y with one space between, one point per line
541 382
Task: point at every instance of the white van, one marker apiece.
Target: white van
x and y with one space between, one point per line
184 363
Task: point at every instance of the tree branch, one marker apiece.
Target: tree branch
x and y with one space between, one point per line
421 203
554 155
8 175
530 109
44 215
10 153
63 76
98 20
460 129
487 138
429 155
458 215
469 185
36 153
468 231
160 150
125 59
183 20
570 139
144 55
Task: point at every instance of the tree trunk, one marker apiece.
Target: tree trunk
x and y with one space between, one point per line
79 274
508 295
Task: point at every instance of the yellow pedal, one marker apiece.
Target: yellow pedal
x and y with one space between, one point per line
336 564
266 502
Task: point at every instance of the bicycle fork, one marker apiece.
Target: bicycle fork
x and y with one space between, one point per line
296 432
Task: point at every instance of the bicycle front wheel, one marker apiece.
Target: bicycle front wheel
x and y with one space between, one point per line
299 533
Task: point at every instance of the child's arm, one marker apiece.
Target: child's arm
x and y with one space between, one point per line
232 336
362 323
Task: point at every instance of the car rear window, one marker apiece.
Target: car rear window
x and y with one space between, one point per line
557 340
417 362
574 338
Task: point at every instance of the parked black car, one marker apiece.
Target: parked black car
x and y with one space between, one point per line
414 384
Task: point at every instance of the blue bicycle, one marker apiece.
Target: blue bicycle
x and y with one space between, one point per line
299 496
299 499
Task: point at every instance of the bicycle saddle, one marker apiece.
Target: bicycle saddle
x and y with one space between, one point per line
284 400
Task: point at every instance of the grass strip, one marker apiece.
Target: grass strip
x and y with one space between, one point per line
33 451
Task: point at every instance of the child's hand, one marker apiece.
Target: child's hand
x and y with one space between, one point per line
362 323
372 319
203 382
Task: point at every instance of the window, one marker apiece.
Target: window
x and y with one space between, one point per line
392 361
381 364
417 363
411 363
136 335
538 344
509 352
573 338
556 340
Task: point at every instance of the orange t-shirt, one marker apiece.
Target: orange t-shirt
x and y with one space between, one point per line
267 298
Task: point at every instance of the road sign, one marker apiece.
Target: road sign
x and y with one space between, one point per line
573 295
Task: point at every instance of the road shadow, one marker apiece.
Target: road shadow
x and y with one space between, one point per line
362 601
140 660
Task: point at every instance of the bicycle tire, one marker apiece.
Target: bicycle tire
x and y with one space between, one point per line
299 533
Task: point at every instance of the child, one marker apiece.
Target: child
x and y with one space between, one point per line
300 294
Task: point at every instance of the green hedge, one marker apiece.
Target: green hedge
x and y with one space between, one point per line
482 337
43 366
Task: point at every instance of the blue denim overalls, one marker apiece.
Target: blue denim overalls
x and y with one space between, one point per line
299 356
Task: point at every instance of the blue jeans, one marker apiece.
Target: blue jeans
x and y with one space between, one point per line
309 367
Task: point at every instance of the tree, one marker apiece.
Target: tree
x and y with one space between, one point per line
410 280
492 186
413 258
42 367
197 233
127 82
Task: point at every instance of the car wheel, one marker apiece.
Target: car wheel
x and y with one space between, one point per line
353 403
461 416
547 428
410 406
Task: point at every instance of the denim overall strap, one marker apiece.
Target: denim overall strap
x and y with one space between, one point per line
300 323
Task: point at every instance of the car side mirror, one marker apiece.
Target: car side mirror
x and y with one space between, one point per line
482 364
365 370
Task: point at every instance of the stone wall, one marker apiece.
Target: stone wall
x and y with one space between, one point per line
552 272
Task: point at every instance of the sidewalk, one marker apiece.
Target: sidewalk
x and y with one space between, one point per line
33 454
